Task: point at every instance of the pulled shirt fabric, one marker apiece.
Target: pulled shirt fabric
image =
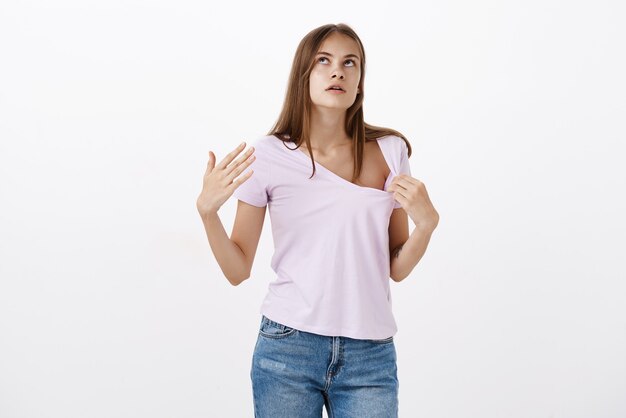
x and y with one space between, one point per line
331 241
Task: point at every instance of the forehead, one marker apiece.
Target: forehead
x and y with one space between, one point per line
340 44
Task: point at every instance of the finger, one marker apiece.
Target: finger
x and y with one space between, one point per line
400 183
407 181
245 157
239 180
237 167
231 156
210 164
400 197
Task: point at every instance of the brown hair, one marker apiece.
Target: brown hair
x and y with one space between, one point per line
293 124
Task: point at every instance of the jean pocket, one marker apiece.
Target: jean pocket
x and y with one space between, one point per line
383 341
273 329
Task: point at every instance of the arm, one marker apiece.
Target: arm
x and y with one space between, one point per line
235 255
405 256
406 253
228 254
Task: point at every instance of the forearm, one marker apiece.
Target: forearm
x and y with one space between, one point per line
229 256
406 256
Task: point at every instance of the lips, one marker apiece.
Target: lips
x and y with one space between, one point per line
336 87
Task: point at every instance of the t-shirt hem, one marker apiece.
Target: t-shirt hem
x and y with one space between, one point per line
317 330
251 201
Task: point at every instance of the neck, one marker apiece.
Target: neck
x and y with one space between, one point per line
328 129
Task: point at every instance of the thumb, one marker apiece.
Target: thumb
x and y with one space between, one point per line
211 163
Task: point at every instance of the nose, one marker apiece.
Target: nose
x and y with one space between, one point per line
337 72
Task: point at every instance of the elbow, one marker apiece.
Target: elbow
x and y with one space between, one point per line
236 281
396 278
240 276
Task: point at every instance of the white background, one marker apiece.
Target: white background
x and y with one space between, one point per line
111 303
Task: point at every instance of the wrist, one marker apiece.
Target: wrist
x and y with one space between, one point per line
426 227
208 215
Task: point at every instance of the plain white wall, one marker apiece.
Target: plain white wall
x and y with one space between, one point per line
111 303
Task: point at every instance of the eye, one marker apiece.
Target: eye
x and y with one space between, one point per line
349 60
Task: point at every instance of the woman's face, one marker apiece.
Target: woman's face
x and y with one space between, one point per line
337 62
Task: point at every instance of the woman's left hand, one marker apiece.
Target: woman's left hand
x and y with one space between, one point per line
412 195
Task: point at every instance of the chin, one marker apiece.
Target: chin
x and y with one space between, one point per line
334 104
335 107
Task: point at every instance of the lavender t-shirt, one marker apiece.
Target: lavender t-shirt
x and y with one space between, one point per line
331 241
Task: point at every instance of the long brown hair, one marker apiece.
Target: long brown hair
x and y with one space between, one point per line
293 124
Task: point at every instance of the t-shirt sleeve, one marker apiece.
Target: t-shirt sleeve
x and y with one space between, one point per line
254 190
403 167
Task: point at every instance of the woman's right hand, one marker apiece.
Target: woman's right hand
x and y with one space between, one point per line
218 184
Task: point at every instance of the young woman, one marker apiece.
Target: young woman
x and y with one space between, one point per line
339 212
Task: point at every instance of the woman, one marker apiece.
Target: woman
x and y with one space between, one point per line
326 331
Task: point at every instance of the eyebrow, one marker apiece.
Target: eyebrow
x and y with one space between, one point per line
345 56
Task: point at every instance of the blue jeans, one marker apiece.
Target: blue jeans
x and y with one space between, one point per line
296 373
